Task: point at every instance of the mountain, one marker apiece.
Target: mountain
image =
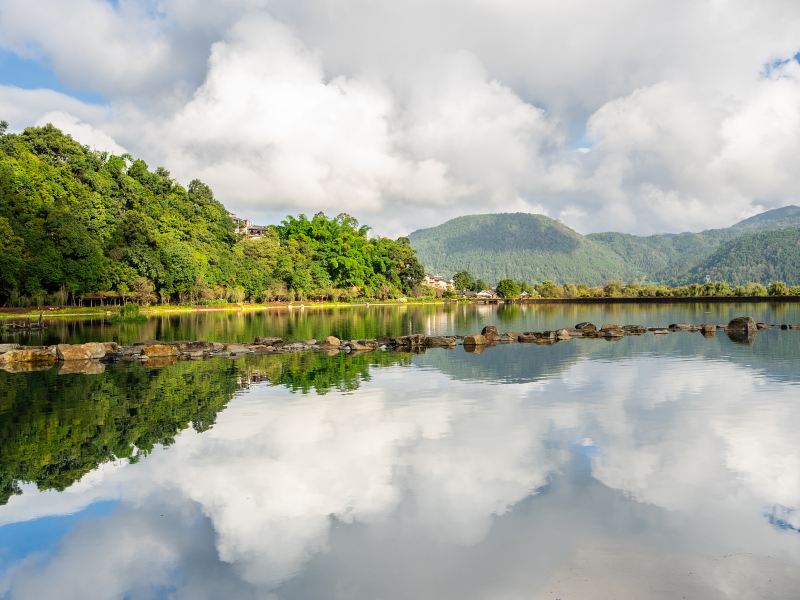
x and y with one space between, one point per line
778 218
534 248
763 256
519 245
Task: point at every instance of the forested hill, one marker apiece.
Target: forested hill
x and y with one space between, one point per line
76 223
520 246
762 256
534 248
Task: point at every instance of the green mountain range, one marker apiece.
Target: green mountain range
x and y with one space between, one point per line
535 248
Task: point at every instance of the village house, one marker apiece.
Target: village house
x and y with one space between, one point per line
245 228
438 283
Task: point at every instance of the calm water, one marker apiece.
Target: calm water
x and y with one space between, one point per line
360 322
652 467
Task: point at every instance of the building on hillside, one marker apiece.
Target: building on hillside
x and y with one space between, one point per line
438 283
486 294
245 228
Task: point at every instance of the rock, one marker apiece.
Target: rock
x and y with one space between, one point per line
762 326
310 342
680 327
330 342
193 347
707 328
612 331
88 351
475 340
235 349
7 347
81 367
563 334
741 330
527 338
510 337
159 350
29 354
785 327
409 341
634 329
585 327
659 331
742 324
490 333
270 340
440 341
291 347
385 341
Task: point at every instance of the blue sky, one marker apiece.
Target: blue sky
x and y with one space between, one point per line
36 74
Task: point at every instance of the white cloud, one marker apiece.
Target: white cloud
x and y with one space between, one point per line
407 114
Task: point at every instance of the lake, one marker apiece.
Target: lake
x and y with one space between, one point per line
649 467
370 322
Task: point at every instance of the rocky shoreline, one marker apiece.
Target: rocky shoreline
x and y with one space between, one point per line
92 356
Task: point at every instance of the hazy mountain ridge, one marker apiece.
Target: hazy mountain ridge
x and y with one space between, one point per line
534 248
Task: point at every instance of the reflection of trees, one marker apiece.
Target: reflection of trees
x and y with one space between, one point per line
55 429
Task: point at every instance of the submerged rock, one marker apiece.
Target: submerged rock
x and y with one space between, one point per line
330 342
510 337
490 333
440 341
29 354
88 351
158 350
612 331
742 324
634 329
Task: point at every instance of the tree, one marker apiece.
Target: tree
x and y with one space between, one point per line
778 288
481 285
463 281
508 289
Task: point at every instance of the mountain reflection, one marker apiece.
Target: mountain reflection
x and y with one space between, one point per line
643 468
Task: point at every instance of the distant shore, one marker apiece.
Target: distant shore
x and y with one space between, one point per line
165 309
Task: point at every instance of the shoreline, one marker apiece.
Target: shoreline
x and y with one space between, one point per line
165 309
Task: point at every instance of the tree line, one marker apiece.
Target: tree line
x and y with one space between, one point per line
78 225
511 289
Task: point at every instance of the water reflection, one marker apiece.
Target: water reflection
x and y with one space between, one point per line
648 468
374 321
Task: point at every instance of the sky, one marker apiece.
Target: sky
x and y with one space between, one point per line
640 116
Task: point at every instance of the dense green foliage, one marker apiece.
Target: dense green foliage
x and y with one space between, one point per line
77 223
55 428
534 248
762 256
508 289
520 246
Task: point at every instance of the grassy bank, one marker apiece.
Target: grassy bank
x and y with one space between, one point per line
161 309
